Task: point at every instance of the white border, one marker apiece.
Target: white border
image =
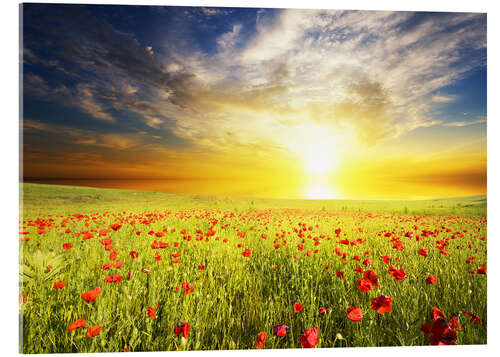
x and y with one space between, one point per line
9 159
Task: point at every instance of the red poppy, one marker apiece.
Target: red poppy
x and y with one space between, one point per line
59 285
397 274
455 323
261 338
133 254
279 330
145 270
438 330
115 226
106 241
310 338
473 318
22 298
118 264
201 267
436 314
151 313
423 252
386 259
354 314
372 276
322 310
157 257
382 304
113 279
364 285
113 255
340 274
297 307
481 271
431 279
77 324
359 270
183 328
246 253
91 295
93 331
67 246
106 266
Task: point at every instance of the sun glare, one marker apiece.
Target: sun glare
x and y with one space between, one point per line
319 191
319 158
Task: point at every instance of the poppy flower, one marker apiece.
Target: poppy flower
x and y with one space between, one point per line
340 274
77 324
201 267
372 276
106 266
22 298
151 313
364 285
91 295
67 246
93 331
310 338
246 253
113 255
438 329
473 317
147 271
481 271
118 265
431 279
382 304
397 274
386 259
113 279
354 314
133 254
279 330
423 252
322 310
59 285
455 323
115 226
297 307
261 338
182 328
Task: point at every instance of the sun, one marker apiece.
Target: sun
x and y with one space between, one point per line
319 158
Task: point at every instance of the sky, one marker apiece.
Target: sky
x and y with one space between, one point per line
282 103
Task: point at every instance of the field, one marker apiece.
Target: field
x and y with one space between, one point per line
201 273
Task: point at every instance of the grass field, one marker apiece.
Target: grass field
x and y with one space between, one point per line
235 267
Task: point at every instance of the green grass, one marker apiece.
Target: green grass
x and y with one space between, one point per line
236 297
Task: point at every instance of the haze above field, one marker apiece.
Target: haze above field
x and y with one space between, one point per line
256 102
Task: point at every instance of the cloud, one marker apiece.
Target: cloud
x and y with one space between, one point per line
443 98
465 123
88 104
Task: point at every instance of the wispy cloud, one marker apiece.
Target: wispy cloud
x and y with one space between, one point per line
465 123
